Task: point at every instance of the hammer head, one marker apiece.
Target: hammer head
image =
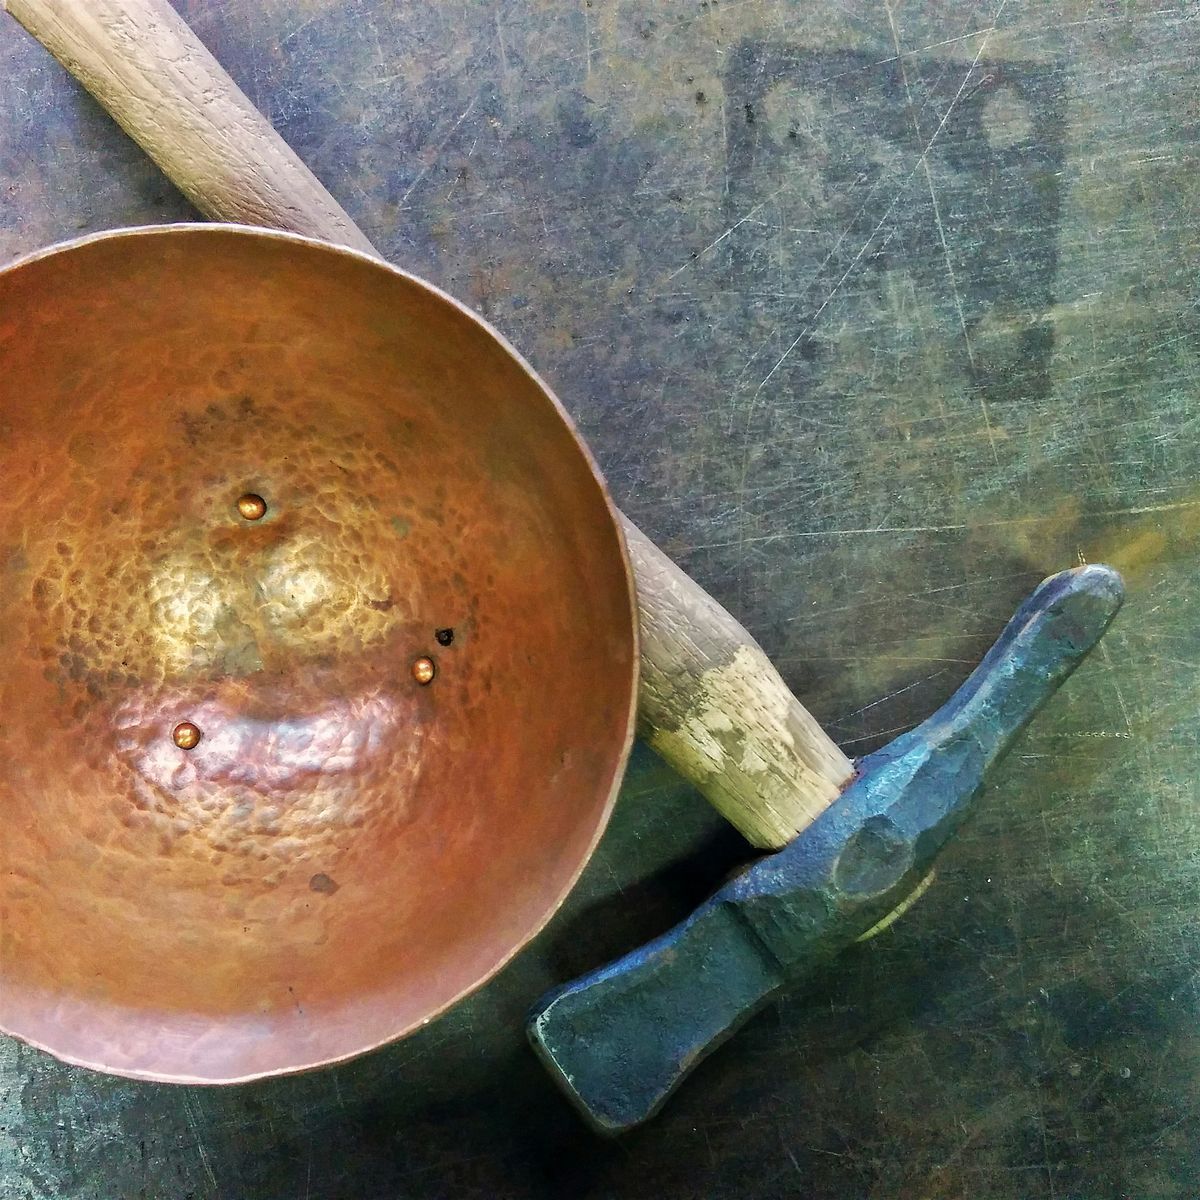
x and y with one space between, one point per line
620 1040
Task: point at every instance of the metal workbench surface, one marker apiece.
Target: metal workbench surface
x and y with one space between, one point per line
874 314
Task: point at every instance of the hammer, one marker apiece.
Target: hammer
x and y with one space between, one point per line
710 701
620 1040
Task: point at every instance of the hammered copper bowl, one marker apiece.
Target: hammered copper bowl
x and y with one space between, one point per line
349 845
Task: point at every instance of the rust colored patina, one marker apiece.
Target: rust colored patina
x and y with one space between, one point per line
238 837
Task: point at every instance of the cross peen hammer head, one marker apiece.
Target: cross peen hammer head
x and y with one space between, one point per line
620 1040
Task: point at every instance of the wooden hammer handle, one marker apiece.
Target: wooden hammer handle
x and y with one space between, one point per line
150 71
710 702
713 705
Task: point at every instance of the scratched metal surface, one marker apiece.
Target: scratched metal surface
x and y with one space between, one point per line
873 315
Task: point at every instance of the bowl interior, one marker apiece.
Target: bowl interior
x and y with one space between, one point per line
346 849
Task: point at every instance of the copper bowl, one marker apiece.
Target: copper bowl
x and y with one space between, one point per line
317 653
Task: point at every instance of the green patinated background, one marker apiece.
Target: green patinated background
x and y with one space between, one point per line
874 314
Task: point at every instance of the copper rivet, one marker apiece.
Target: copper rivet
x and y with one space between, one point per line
252 507
186 735
423 670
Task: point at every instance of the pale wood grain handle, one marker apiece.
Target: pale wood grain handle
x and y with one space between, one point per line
711 703
146 66
715 708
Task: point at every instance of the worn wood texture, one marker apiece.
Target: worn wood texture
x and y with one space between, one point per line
713 705
170 95
874 316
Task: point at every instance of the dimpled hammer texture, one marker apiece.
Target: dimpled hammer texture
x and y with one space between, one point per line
254 815
620 1040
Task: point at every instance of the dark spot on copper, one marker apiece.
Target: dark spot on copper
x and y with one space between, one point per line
381 605
423 670
186 735
323 884
444 637
252 506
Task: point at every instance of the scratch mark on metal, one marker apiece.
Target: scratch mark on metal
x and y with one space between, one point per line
466 112
1136 510
190 1113
937 217
718 240
287 37
505 84
890 696
921 161
587 41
